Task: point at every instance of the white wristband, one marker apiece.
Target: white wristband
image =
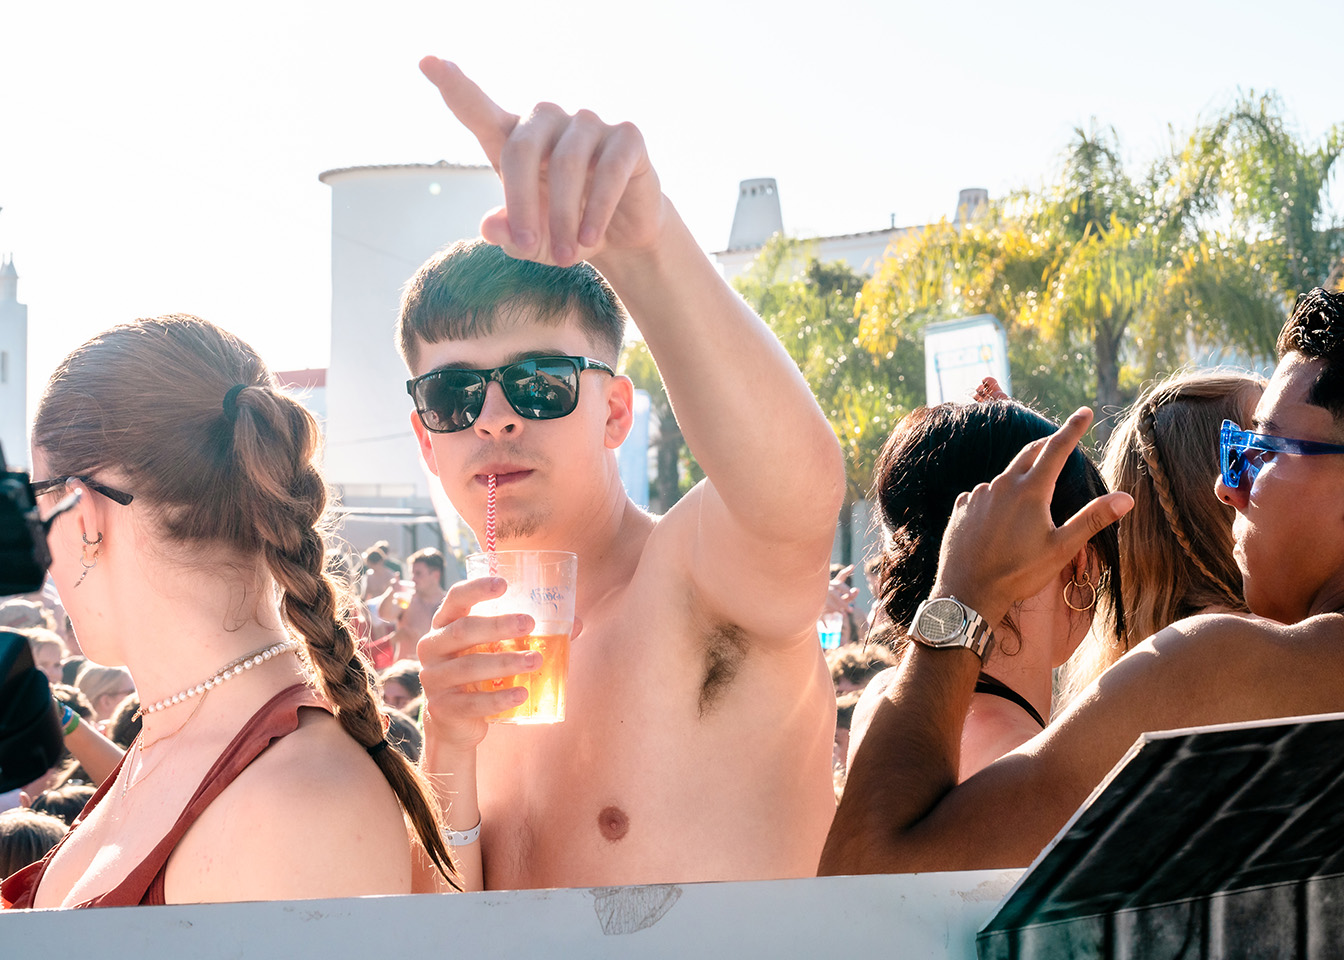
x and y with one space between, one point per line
460 838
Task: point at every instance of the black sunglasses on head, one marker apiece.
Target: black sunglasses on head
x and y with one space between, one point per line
542 388
43 486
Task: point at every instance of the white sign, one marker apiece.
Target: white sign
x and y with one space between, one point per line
958 354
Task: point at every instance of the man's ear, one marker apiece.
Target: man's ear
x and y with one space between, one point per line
620 410
422 440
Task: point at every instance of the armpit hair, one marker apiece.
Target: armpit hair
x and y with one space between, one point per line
725 649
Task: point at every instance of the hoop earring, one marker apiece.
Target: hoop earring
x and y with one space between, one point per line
1087 583
84 560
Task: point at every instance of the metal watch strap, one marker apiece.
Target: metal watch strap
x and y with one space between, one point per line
978 634
975 634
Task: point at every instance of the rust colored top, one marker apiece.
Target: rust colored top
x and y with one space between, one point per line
144 884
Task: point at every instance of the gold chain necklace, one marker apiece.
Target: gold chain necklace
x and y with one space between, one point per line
139 747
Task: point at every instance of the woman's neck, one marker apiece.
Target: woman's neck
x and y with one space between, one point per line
185 628
1026 664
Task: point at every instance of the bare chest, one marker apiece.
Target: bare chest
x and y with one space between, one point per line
642 775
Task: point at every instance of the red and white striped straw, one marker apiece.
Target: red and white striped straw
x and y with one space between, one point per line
490 514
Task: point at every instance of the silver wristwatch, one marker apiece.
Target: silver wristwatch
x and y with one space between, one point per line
947 622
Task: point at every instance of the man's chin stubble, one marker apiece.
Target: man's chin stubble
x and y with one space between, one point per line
519 528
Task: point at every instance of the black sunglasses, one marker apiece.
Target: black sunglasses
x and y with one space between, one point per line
44 486
543 388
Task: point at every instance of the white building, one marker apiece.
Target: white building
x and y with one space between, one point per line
758 218
385 222
13 368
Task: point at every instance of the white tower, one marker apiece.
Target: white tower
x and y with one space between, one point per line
757 217
13 368
385 222
972 204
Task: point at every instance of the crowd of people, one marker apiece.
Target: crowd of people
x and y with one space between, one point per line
1034 610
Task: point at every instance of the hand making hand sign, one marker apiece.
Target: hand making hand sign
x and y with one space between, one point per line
574 186
1001 544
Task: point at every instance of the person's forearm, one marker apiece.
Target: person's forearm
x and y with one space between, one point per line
907 762
98 755
745 410
452 775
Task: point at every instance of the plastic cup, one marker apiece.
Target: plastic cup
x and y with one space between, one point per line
830 627
541 584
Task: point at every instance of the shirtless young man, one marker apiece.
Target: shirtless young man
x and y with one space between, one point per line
697 743
415 619
903 810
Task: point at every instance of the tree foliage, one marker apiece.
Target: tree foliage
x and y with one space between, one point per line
811 307
1104 279
675 469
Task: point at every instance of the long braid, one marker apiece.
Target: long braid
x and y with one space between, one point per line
1148 449
144 399
292 544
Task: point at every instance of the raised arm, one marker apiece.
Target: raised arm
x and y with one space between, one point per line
577 188
901 809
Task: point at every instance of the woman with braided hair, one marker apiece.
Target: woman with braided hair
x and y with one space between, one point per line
195 558
1176 544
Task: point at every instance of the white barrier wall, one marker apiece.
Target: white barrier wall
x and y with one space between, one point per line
913 916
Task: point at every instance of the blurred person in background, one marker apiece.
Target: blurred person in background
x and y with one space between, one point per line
105 687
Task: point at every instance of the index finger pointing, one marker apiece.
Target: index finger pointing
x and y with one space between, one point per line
488 122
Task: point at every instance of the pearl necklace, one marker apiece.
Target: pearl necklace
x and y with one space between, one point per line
227 672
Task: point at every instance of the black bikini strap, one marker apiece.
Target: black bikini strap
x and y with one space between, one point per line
997 688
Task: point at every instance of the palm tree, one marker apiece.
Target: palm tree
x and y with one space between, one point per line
1104 281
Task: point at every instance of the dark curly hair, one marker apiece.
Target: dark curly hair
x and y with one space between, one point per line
938 453
1315 329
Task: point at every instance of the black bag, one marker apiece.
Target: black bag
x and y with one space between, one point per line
31 740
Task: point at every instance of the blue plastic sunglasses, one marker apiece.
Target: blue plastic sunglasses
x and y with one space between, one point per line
1241 453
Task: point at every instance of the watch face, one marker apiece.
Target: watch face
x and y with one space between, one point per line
941 620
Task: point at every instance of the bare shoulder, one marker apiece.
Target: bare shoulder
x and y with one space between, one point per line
1231 644
1210 669
311 817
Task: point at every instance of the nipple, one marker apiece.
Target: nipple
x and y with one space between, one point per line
613 823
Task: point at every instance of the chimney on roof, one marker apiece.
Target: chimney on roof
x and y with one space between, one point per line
972 204
757 218
9 281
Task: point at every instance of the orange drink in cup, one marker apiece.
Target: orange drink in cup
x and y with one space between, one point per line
541 584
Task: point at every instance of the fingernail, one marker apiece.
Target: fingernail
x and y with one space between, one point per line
532 659
520 622
525 239
588 236
564 253
519 694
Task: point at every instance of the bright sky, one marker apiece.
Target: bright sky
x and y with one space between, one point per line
163 156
